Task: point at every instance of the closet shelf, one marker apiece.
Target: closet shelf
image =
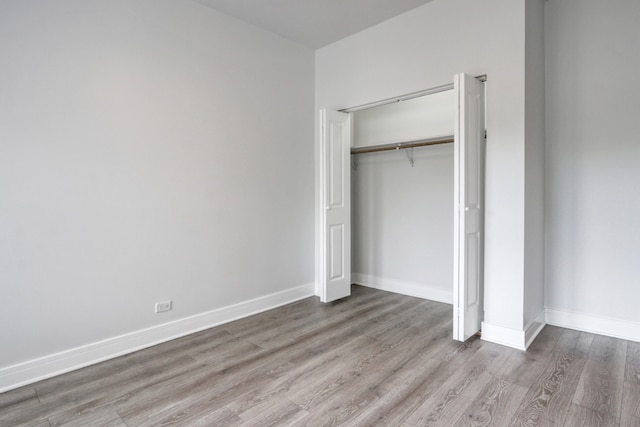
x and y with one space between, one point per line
402 145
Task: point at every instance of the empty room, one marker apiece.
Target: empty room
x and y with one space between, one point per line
310 213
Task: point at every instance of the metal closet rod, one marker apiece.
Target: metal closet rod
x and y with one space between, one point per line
402 145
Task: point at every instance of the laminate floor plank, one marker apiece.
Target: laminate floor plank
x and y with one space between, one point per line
109 392
114 396
218 417
548 401
574 343
630 403
296 311
308 373
601 383
400 388
113 381
107 418
632 363
630 422
123 365
21 406
494 406
581 416
451 400
274 411
373 359
406 390
199 391
630 411
346 395
284 331
292 332
411 320
20 396
525 368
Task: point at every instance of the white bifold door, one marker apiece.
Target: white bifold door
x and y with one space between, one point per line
335 203
468 199
335 274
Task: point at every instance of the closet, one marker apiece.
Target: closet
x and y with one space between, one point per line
387 173
402 197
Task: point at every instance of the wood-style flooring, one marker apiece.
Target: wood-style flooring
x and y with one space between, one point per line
373 359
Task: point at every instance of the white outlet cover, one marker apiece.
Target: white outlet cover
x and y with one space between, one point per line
163 306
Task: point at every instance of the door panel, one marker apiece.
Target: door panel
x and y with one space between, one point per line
336 222
336 269
468 209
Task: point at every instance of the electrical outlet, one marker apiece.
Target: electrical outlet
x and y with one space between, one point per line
163 306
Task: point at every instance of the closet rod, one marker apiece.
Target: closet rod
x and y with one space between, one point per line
402 145
406 97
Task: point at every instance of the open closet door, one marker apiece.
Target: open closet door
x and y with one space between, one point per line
335 142
469 206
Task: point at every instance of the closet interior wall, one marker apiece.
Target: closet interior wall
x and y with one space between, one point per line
402 215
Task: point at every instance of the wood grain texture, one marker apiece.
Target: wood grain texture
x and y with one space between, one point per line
601 383
581 416
495 405
630 411
373 359
548 400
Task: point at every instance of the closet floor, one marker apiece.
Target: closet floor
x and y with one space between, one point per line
375 358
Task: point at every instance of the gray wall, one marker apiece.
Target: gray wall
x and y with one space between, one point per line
149 150
592 157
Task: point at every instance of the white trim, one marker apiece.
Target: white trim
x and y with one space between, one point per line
533 328
405 288
55 364
615 328
504 336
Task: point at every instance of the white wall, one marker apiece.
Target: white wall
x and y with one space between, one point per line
424 48
534 167
402 222
149 150
592 157
423 117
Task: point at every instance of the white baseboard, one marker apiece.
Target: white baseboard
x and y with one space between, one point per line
534 327
55 364
615 328
514 338
405 288
504 336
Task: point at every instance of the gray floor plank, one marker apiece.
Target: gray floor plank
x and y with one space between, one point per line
274 411
494 406
548 400
581 416
104 418
601 383
451 400
400 397
525 368
630 412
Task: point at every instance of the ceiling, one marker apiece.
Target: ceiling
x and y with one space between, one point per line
313 23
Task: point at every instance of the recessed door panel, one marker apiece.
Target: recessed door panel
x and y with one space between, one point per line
336 237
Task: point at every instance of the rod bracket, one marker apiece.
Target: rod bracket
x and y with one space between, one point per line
409 152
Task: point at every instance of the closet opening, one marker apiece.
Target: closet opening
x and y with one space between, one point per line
401 194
